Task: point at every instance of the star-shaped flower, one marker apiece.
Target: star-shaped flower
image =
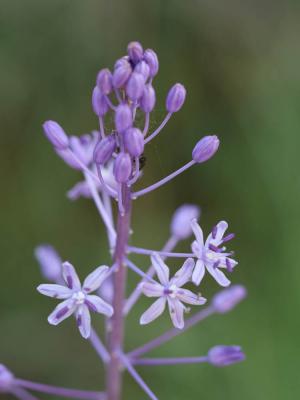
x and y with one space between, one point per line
170 291
210 255
77 298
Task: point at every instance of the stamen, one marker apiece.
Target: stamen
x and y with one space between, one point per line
214 248
214 232
229 237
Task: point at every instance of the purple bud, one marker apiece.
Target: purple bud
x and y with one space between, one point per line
123 118
68 159
104 79
56 135
148 99
50 262
99 102
135 52
151 58
121 74
175 98
227 299
221 356
104 150
121 62
134 142
135 86
6 379
143 68
205 148
181 221
122 167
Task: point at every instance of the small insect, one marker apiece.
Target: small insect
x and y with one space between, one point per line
142 161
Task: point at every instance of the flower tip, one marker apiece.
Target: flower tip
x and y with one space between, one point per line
205 148
181 224
135 52
221 356
227 299
56 135
175 98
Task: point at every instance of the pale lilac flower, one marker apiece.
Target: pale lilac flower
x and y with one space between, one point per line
77 298
170 291
181 221
210 255
221 356
56 135
227 299
205 148
49 261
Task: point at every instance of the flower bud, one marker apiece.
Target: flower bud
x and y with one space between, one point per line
134 142
99 102
49 261
104 79
175 98
104 150
151 59
122 167
181 221
135 86
221 356
66 155
143 68
148 99
121 62
135 52
227 299
56 135
123 118
121 74
6 379
205 148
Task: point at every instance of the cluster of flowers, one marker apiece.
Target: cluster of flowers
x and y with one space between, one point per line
111 164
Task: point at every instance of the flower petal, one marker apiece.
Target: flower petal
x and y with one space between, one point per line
162 270
198 272
154 311
220 229
176 309
83 319
218 275
152 289
197 231
96 304
56 291
184 274
61 312
197 249
70 276
94 280
189 297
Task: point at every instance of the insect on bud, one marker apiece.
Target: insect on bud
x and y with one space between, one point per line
143 68
148 99
104 79
121 73
123 118
135 52
56 135
135 86
205 148
227 299
122 167
104 150
181 221
134 142
221 356
151 59
175 98
99 102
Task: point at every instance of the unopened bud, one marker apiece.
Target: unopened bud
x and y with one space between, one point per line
135 52
104 150
175 98
123 118
143 68
205 148
122 167
221 356
6 379
151 59
135 86
99 102
227 299
134 142
181 221
49 261
104 81
148 99
121 74
56 135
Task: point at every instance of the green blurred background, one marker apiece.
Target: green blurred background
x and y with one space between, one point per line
240 62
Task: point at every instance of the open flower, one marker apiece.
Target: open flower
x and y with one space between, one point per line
170 291
77 298
210 255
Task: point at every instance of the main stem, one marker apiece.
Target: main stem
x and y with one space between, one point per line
114 374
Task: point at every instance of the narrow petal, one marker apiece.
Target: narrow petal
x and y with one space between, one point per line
197 231
94 280
218 275
220 229
83 319
189 297
70 276
162 270
184 274
61 312
152 289
56 291
176 309
154 311
96 304
198 272
197 249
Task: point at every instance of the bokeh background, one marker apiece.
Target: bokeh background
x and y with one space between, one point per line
240 63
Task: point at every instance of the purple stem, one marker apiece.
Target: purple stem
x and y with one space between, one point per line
99 347
135 295
101 126
146 126
114 375
148 252
59 391
137 377
107 188
161 126
22 394
138 271
165 337
156 185
169 361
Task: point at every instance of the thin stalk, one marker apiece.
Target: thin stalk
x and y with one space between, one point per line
22 394
149 252
161 126
99 347
169 361
138 271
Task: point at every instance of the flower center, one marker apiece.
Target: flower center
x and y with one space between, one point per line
79 297
171 291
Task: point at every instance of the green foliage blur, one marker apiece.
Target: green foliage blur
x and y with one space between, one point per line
240 63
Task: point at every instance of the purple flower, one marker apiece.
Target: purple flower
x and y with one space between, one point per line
50 262
77 298
6 379
122 167
175 98
170 291
228 298
99 102
181 221
152 60
135 86
210 255
104 149
104 79
56 135
205 148
147 102
221 356
135 52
